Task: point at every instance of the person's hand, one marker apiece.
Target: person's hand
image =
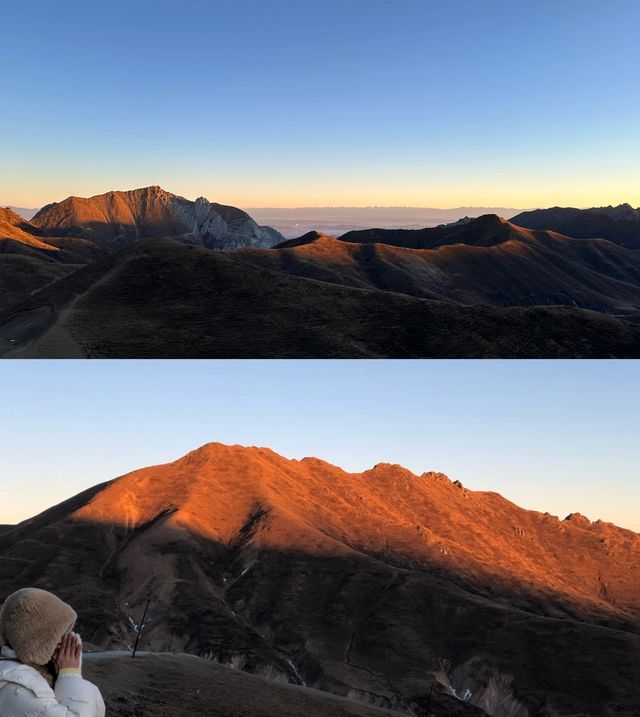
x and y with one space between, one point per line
68 654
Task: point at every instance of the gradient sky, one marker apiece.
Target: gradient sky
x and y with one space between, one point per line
551 436
339 102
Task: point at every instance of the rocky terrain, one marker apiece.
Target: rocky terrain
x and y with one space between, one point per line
117 219
402 591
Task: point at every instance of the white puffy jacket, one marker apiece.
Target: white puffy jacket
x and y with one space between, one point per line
24 692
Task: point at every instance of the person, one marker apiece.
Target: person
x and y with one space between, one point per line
41 659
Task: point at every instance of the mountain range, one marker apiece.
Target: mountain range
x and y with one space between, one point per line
144 263
408 592
295 221
485 261
619 224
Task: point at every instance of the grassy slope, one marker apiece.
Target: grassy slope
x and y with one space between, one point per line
165 685
163 299
505 266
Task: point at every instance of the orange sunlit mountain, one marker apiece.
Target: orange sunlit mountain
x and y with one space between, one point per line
372 584
116 219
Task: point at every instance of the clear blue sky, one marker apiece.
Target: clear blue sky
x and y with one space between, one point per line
556 436
339 102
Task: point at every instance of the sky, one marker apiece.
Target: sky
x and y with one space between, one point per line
557 436
336 103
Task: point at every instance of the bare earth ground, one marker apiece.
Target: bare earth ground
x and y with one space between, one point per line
164 685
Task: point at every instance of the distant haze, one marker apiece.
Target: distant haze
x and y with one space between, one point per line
23 211
294 222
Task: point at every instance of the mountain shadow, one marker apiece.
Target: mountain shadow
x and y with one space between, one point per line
384 587
165 299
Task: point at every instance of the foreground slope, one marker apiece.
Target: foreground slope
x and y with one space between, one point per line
162 298
165 685
28 259
481 261
375 585
116 219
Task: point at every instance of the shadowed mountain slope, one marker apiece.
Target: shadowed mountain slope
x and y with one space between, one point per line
28 259
116 219
619 224
482 261
487 230
166 685
314 296
372 585
161 298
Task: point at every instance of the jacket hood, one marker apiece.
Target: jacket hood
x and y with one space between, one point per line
32 621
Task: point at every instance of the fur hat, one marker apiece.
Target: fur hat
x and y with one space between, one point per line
32 622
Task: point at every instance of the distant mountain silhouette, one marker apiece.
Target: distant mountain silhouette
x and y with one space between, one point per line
294 221
24 212
620 224
375 585
162 298
487 230
116 219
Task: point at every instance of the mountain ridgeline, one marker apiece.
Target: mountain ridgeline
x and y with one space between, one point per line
409 592
142 262
115 219
619 224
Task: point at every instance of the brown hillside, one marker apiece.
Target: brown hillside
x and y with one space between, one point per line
165 685
483 261
370 585
161 298
28 260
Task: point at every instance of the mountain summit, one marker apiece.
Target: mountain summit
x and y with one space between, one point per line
619 224
377 585
116 219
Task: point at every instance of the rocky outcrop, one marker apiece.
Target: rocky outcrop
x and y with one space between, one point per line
116 219
218 226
